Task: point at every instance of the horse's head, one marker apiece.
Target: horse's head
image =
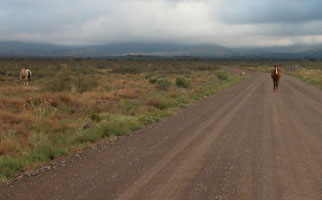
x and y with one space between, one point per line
276 69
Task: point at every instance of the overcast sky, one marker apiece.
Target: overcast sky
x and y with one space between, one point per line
227 22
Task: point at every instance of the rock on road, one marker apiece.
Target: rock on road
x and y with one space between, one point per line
243 143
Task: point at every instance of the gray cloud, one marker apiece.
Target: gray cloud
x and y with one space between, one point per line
270 11
36 16
226 22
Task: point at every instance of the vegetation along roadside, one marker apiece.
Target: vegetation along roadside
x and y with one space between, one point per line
73 103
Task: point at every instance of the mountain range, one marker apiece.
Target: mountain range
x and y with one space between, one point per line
24 49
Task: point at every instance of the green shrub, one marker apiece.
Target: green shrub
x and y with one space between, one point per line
182 82
43 150
129 106
152 80
8 166
222 75
163 84
95 117
110 124
44 127
160 104
85 136
166 103
181 102
151 117
46 152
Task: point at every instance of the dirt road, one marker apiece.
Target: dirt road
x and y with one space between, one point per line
244 143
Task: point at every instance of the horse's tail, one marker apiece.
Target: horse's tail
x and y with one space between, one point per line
29 75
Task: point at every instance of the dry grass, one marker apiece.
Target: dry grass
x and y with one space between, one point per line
154 102
110 96
44 124
129 93
11 119
7 145
312 76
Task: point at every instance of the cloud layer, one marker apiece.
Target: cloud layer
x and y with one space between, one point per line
271 11
226 22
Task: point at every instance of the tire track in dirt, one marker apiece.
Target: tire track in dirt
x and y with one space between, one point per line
269 183
307 149
232 158
293 167
196 156
136 187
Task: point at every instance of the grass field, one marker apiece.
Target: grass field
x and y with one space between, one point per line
71 104
309 75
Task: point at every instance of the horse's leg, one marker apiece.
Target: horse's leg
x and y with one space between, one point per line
274 82
273 85
277 82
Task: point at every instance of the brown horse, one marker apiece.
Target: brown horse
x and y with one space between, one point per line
276 76
25 75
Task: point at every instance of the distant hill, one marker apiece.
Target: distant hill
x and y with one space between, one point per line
24 49
315 53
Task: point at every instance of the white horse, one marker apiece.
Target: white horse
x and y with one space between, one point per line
25 75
